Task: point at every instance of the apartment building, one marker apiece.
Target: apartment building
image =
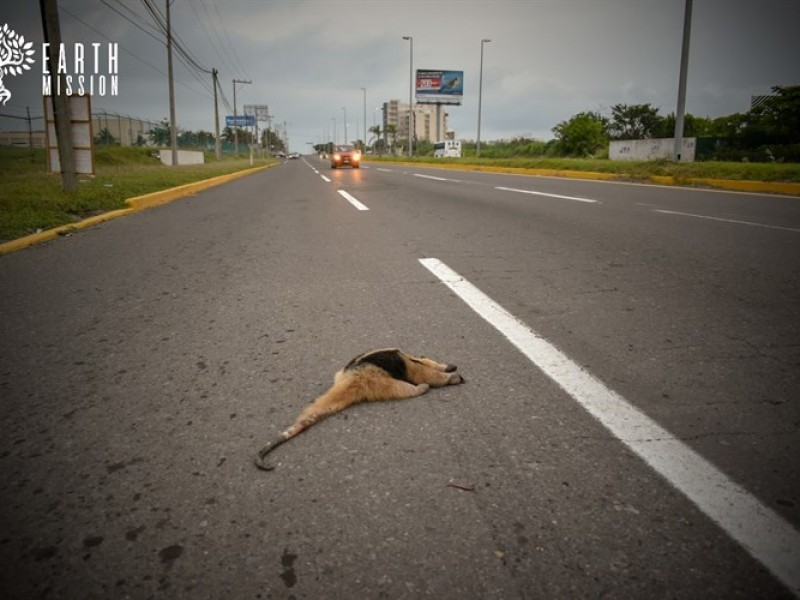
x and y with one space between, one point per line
395 113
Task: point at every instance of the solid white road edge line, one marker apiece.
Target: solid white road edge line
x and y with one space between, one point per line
684 214
762 532
576 199
352 200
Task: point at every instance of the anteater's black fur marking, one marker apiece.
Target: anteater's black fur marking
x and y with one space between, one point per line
389 360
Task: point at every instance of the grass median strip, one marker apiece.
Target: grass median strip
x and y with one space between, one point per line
31 201
775 178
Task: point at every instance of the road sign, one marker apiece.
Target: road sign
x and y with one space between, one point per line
240 121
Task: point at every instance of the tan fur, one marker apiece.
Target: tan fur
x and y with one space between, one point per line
369 377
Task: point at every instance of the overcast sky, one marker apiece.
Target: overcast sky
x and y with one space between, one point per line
307 59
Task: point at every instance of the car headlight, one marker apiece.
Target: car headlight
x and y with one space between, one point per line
356 155
337 157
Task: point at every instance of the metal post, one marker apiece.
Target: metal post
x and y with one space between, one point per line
679 113
235 116
217 141
480 98
410 95
363 89
30 128
344 110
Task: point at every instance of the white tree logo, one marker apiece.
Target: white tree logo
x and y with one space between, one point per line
15 56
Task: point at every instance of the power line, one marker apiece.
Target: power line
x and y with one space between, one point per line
144 62
224 31
141 21
218 46
177 42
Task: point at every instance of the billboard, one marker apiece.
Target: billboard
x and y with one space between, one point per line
439 87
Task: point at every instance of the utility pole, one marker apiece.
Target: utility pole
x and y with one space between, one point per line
173 132
480 96
679 113
235 116
217 141
61 110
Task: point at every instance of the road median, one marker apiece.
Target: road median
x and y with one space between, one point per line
740 185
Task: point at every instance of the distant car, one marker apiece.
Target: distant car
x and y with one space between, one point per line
345 154
294 155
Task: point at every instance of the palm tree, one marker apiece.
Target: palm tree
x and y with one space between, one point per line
376 129
391 130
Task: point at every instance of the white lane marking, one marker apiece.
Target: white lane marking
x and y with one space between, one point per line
385 170
762 532
430 177
325 179
507 189
683 214
353 200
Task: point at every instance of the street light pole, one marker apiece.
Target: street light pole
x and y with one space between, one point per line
344 110
480 97
410 95
363 89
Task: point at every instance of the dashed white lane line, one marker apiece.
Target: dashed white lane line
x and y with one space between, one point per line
431 177
684 214
325 179
762 532
575 198
352 200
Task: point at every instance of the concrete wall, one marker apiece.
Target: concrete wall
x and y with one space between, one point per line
652 149
185 157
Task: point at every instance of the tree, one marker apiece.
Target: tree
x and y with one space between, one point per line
391 131
777 119
376 129
245 135
160 134
271 141
105 138
692 127
582 135
634 122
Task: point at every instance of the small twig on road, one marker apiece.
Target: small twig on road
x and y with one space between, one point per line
459 486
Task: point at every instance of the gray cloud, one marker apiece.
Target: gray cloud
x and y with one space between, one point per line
547 60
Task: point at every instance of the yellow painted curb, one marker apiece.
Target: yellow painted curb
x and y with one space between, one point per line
739 185
181 191
136 204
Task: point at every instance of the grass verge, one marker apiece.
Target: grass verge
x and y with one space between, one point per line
633 170
32 200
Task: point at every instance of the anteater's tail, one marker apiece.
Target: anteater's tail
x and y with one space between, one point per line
262 455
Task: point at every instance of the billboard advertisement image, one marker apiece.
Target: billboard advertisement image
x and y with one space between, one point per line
439 87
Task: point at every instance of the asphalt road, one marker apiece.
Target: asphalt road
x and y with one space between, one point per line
144 361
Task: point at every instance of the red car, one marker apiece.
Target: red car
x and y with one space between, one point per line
346 154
